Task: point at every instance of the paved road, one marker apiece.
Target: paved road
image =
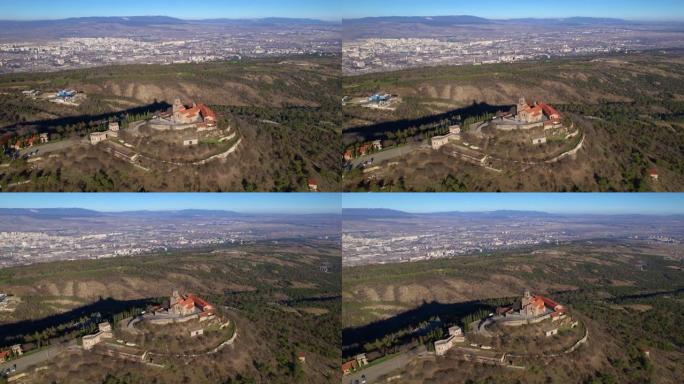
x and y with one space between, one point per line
33 359
373 372
389 154
49 147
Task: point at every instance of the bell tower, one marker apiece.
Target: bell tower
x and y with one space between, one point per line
177 107
522 104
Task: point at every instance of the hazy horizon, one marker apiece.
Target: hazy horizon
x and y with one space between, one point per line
209 9
657 10
173 17
639 20
252 203
552 203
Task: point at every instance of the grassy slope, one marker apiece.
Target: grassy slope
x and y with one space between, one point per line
250 278
300 94
640 98
594 280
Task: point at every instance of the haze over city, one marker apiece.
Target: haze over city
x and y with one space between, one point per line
502 9
273 203
566 203
62 226
210 9
385 228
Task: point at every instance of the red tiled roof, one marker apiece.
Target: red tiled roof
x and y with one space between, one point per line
312 182
548 302
537 301
189 111
536 110
653 172
348 366
191 301
207 112
549 110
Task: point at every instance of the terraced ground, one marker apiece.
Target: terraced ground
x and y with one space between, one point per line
629 106
251 285
629 295
285 110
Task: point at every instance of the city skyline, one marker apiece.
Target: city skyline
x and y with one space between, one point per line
259 203
662 10
559 203
210 9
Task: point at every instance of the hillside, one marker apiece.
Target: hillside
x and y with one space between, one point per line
629 295
628 106
245 283
284 110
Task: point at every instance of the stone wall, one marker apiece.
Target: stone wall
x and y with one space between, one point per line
513 127
172 320
517 323
171 127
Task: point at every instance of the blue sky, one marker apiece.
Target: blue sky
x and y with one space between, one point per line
599 203
232 9
506 9
241 202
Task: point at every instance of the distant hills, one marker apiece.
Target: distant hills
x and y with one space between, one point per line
47 213
428 20
382 213
160 20
468 19
57 213
371 213
435 26
141 26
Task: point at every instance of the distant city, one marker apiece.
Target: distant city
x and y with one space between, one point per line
37 46
378 238
393 43
32 236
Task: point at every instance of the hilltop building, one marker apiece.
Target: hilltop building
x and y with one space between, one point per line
104 332
181 305
536 113
111 132
444 345
197 113
528 116
531 309
454 134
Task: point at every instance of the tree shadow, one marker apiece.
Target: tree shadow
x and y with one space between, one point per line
14 333
378 131
353 339
50 125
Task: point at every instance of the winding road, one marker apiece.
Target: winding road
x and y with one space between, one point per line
373 372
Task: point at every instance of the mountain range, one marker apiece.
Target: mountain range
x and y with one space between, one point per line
435 26
151 26
382 213
59 213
